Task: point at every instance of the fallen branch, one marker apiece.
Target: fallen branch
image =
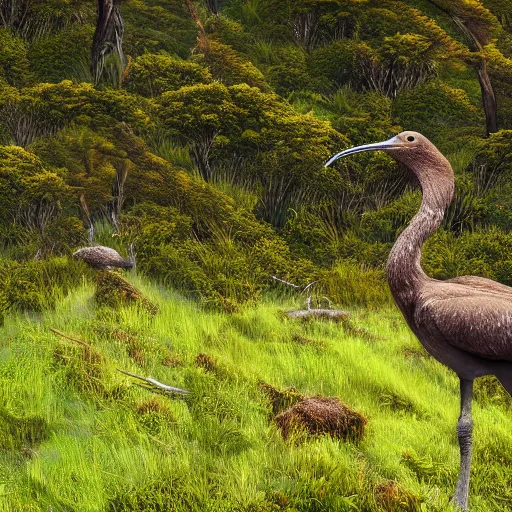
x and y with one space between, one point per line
76 340
154 385
330 314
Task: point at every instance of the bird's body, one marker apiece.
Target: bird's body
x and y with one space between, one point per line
102 258
464 322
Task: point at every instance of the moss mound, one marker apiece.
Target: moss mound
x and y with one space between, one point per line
391 497
112 290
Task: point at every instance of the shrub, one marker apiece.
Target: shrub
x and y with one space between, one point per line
231 67
14 66
33 285
151 75
44 109
337 61
164 27
65 55
484 253
433 106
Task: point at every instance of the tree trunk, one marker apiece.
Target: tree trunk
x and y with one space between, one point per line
489 103
488 99
108 37
213 6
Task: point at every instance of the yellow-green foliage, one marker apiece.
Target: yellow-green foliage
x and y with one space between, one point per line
45 108
230 67
14 64
24 181
152 74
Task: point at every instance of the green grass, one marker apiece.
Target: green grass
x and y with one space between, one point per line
87 439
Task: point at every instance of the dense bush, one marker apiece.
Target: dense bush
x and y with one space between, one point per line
152 74
154 27
36 285
14 66
43 109
433 107
231 67
483 253
63 55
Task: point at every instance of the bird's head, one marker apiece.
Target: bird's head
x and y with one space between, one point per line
403 147
417 153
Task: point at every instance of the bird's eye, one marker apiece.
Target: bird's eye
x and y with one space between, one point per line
410 138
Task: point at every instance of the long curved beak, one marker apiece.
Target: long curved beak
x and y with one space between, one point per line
387 144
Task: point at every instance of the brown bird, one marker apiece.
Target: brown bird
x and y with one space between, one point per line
465 322
103 258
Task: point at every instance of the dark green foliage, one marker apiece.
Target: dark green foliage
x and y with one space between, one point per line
230 67
337 62
158 26
152 74
34 285
483 253
434 109
63 55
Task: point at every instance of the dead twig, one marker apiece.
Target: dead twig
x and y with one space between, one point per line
76 340
155 386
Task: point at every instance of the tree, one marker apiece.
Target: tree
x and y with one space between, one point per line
476 23
108 37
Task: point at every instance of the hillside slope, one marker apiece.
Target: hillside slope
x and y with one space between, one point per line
78 435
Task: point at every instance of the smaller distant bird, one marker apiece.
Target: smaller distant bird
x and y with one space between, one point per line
100 257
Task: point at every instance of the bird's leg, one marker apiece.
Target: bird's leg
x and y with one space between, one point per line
464 433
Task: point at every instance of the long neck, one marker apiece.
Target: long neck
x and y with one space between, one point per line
404 269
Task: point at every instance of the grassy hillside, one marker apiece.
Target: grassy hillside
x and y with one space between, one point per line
77 435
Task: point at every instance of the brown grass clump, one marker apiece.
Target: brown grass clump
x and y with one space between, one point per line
172 361
391 497
322 415
280 400
308 342
358 332
206 362
134 346
113 291
151 406
154 414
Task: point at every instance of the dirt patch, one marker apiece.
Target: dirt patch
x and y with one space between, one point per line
322 415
